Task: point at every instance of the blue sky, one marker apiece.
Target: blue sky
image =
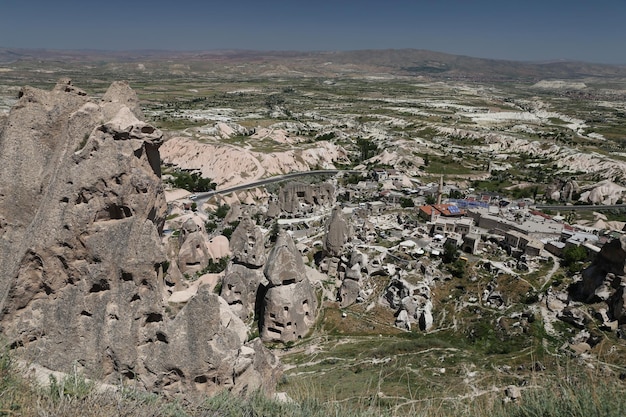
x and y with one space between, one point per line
531 30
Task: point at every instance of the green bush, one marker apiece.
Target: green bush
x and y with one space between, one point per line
215 267
406 202
191 181
221 211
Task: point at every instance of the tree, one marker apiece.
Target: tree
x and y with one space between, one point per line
274 232
192 181
456 194
573 257
215 267
574 254
367 148
450 252
406 202
222 211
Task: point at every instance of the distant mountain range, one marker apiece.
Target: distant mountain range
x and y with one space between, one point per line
396 62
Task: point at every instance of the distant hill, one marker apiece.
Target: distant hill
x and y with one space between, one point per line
396 62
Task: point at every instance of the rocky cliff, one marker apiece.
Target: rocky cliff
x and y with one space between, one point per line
82 265
604 281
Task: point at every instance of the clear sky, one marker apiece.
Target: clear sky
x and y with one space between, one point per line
532 30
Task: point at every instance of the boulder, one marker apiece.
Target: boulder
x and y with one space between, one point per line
348 293
353 273
580 348
573 316
403 321
512 393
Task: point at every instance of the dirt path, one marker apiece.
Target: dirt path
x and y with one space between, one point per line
555 266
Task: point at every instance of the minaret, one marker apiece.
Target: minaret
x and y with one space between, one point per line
440 190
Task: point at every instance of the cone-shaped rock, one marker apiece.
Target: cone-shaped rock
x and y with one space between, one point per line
337 232
289 312
284 263
239 288
247 244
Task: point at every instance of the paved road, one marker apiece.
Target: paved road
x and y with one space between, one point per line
580 207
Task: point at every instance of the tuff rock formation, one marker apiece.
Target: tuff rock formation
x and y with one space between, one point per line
297 197
284 264
290 303
81 260
563 190
337 233
605 281
247 244
244 274
194 248
348 292
412 301
239 288
350 289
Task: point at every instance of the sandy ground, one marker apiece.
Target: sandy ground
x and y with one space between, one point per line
175 194
186 294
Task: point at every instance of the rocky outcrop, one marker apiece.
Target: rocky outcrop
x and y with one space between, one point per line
247 244
412 301
194 253
337 233
244 275
203 350
229 165
284 265
239 288
298 197
290 302
604 281
563 190
348 292
289 312
603 192
81 259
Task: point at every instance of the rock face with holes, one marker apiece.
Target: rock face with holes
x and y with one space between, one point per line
290 303
239 288
244 275
81 259
247 244
296 197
